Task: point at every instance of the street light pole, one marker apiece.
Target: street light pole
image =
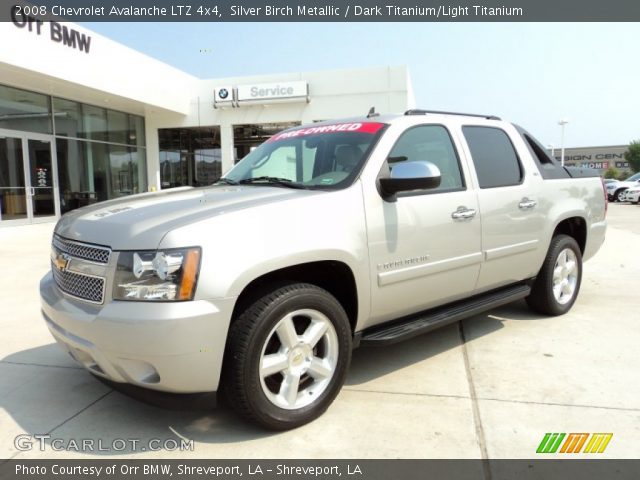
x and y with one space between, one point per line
552 150
562 123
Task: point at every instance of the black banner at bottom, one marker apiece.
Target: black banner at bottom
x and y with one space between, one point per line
585 469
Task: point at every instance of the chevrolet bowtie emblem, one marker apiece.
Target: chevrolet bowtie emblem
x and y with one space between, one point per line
61 261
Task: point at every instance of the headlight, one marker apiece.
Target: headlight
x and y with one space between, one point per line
164 275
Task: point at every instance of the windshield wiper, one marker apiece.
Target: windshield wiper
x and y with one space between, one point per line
225 181
284 182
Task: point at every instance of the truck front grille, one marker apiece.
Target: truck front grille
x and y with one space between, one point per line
79 269
83 287
93 253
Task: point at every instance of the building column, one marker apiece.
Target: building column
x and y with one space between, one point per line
153 156
226 147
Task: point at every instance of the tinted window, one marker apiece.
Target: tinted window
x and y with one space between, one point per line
189 156
493 155
22 110
430 143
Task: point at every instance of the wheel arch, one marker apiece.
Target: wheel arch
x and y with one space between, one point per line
334 276
575 227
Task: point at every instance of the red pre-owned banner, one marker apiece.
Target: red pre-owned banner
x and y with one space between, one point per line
361 127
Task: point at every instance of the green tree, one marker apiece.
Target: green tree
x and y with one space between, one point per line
612 172
632 155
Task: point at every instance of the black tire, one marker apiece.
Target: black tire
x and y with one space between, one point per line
253 332
542 298
618 194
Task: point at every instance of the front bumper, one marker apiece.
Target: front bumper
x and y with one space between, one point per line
170 346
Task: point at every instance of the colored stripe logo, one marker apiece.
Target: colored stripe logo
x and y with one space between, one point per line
574 443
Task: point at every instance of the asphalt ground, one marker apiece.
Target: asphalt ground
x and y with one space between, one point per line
489 387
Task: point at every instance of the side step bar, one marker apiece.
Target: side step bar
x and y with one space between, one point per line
423 322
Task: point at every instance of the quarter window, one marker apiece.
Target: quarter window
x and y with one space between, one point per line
494 157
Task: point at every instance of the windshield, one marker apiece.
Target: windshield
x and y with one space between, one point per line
633 178
326 156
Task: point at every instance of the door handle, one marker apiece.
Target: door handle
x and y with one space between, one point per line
31 191
525 203
463 213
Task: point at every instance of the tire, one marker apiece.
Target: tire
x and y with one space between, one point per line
557 285
287 356
619 194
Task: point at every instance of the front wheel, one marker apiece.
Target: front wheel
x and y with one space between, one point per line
620 194
287 356
557 285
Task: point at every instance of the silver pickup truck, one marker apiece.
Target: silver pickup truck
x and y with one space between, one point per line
365 231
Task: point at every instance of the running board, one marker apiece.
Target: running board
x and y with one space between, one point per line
423 322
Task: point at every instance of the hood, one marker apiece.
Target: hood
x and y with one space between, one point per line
141 221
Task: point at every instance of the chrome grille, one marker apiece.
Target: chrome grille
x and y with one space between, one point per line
93 253
84 287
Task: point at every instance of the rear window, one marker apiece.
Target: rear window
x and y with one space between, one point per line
324 156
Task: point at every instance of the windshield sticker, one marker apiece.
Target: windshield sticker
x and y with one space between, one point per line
327 180
365 127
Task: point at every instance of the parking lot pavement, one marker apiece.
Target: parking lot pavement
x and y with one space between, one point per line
492 386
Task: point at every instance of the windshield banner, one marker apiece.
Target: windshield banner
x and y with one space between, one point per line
361 127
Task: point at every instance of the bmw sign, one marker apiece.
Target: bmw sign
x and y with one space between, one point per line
223 95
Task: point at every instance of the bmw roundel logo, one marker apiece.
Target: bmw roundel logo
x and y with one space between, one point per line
223 93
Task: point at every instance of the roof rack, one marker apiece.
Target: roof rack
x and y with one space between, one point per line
425 112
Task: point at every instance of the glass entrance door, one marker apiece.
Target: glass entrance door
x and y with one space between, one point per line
41 191
13 185
28 178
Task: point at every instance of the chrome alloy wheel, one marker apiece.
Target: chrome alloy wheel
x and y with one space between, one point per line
298 359
565 276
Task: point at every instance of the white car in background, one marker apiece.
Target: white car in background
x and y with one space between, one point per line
611 185
632 194
617 191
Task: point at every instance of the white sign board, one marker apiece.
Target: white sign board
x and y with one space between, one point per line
266 92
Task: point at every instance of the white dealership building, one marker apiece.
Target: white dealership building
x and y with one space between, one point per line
85 119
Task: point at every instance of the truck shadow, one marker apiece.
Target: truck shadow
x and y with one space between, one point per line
46 393
370 363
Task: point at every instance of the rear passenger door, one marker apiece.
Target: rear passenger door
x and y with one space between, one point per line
508 196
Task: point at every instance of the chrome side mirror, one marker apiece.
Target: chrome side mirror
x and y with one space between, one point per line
407 176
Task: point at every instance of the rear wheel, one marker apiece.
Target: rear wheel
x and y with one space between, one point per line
557 285
287 356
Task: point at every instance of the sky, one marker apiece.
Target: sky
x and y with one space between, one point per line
532 74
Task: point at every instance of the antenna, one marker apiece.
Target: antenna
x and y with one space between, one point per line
372 113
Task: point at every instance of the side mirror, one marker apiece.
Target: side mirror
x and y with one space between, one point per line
408 176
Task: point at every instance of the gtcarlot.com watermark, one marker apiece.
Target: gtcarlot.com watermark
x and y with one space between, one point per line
42 442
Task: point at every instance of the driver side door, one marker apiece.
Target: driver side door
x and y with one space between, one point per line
425 245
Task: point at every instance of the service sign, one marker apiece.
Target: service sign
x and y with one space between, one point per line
265 92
